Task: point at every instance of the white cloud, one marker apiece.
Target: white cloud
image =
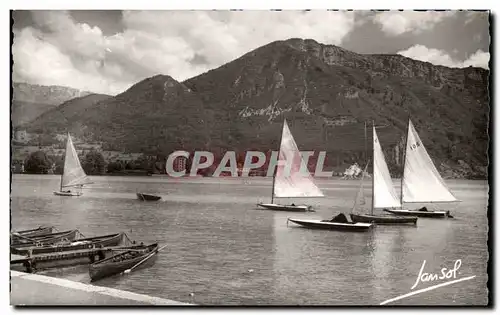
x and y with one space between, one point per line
440 57
399 22
181 44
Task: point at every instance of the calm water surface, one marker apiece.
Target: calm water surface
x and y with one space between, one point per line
227 252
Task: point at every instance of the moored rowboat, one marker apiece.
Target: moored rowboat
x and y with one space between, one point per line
329 225
96 241
121 262
147 197
293 208
47 239
382 219
24 234
420 213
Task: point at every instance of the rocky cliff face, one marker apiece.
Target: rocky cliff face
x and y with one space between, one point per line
31 100
326 93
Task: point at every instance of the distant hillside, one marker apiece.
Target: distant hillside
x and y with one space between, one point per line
155 115
325 92
31 100
62 118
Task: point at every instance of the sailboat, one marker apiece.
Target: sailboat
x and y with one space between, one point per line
293 182
73 174
421 181
383 192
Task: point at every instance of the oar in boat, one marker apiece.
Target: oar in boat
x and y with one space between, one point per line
125 250
150 255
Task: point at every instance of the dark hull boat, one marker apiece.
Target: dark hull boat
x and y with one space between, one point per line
121 262
68 193
292 208
146 197
329 225
90 242
420 213
382 219
47 239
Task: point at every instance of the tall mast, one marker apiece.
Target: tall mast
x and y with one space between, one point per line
366 153
404 160
64 160
373 172
277 162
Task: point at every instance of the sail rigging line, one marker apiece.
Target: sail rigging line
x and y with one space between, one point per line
384 194
404 161
360 190
373 175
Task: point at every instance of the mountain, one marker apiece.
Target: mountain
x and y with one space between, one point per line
154 115
326 93
31 100
59 118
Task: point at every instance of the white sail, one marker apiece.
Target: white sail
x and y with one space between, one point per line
293 182
73 173
384 194
421 180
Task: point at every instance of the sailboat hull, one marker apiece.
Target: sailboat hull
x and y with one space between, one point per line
327 225
276 207
418 213
383 219
68 194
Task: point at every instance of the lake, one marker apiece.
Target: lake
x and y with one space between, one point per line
225 251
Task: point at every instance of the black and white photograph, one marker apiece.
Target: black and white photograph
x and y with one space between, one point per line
251 157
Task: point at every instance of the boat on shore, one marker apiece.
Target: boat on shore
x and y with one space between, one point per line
32 232
90 242
383 192
147 197
46 239
73 174
421 182
121 262
291 178
69 258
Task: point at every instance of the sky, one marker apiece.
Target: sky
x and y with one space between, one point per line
108 51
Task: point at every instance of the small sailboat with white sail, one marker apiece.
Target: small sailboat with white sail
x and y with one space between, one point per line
421 181
383 192
291 179
73 174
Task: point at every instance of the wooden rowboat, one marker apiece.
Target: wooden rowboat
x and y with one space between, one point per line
47 239
90 242
292 208
121 262
146 197
34 232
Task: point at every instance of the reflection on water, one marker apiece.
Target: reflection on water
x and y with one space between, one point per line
225 251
